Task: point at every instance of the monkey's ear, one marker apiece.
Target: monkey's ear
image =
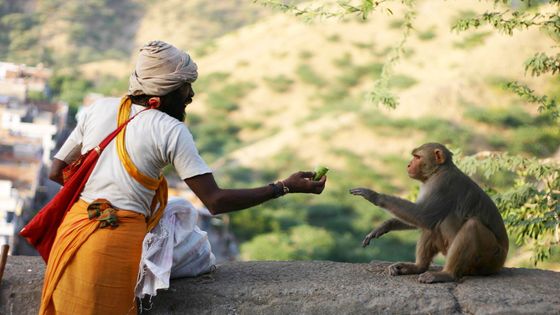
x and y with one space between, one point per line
440 157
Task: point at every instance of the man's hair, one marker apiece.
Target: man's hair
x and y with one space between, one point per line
140 99
167 103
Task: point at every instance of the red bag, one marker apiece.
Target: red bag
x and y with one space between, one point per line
41 230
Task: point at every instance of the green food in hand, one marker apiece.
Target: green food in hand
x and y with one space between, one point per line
320 171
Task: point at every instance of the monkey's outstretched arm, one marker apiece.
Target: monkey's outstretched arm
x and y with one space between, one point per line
397 225
405 210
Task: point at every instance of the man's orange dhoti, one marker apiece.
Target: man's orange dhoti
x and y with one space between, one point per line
93 270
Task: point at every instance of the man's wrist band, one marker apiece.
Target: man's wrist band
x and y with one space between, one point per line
285 188
279 189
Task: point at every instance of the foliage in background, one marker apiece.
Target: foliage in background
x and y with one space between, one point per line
380 92
279 84
215 132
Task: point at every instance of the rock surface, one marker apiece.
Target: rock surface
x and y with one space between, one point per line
316 287
20 289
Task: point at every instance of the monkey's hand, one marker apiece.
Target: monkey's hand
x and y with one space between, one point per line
368 194
375 233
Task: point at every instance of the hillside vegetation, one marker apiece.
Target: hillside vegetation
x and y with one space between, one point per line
277 94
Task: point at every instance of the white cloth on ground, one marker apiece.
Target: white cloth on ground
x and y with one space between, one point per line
160 69
175 248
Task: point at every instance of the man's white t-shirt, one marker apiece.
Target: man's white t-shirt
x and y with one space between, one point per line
153 140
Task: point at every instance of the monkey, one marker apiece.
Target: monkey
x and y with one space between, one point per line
456 218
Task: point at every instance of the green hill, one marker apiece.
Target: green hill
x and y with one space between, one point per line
65 33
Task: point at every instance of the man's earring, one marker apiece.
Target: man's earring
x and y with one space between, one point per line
154 102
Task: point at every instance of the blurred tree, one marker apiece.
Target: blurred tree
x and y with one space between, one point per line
303 242
70 88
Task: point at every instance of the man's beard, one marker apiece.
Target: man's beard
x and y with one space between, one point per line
174 111
174 105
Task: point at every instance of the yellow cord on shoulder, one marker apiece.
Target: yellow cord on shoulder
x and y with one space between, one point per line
159 185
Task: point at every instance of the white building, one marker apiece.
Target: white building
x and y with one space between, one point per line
11 120
16 80
10 204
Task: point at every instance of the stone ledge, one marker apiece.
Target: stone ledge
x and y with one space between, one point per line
316 287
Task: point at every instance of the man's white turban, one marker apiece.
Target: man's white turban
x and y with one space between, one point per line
160 69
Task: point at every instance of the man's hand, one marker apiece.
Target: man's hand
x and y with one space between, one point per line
368 194
301 182
56 170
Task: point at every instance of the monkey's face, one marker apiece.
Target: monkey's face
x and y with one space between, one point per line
425 162
422 165
416 166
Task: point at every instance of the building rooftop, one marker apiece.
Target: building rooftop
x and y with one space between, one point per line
23 176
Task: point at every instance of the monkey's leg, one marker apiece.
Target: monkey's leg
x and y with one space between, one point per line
426 249
474 251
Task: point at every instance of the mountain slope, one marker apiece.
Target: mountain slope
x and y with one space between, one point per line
443 76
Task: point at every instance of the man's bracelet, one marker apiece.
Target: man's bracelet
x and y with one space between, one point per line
279 189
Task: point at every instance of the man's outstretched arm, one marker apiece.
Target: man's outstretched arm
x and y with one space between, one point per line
219 200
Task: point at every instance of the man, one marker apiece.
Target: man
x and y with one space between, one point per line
93 265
